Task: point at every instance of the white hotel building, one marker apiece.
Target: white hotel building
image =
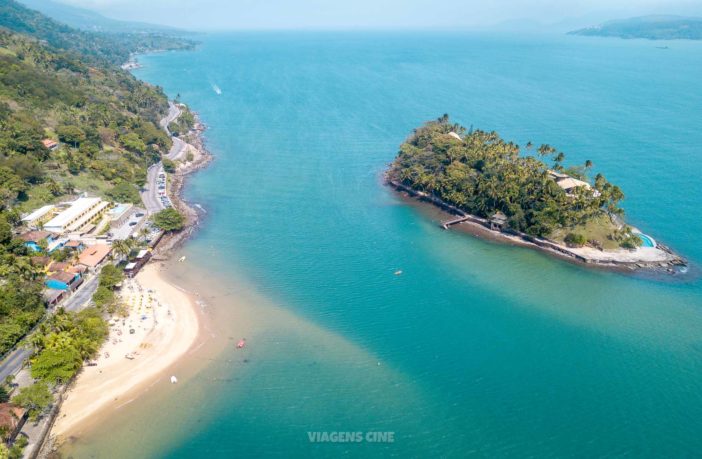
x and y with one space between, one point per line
78 216
38 216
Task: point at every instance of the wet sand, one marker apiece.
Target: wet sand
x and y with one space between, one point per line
165 322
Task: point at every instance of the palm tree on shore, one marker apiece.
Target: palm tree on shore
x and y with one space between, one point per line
545 150
557 160
122 247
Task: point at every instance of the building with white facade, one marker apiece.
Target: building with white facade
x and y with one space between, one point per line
78 216
41 215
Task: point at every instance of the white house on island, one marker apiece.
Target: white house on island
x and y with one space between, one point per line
569 184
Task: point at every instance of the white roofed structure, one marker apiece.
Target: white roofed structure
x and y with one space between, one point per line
568 183
38 215
81 212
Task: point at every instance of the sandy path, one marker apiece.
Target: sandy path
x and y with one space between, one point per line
165 324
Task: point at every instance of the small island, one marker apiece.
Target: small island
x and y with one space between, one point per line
657 27
487 183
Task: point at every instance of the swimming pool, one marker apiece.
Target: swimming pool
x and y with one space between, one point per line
119 209
647 240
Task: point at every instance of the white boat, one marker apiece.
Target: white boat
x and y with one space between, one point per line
181 259
174 380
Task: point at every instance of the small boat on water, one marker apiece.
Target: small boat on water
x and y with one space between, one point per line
241 343
398 272
174 380
181 259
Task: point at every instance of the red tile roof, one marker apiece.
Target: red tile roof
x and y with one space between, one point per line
10 415
41 261
34 236
93 255
59 266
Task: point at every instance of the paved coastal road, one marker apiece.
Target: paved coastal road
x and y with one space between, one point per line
13 363
82 296
178 148
173 113
80 299
149 193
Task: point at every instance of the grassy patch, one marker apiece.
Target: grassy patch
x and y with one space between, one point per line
598 229
86 182
37 196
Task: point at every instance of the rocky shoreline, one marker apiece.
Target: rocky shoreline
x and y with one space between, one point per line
201 158
667 261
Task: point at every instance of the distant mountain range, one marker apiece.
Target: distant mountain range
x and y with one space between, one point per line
83 19
650 27
100 47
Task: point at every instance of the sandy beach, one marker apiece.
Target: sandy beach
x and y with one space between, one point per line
165 325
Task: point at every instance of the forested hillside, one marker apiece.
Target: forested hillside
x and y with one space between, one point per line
482 174
113 48
649 27
58 84
84 19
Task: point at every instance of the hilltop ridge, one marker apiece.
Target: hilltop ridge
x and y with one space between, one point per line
654 27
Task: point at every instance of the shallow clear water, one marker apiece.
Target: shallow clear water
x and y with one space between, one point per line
477 347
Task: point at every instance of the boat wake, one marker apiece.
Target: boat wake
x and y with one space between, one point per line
216 89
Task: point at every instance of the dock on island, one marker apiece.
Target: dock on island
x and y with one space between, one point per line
445 225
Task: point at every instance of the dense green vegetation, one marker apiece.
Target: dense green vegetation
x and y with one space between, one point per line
649 27
105 120
65 85
21 304
80 18
93 47
169 220
168 165
64 342
481 174
15 451
35 399
110 276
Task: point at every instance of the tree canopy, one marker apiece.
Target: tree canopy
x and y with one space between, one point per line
169 220
110 276
481 173
64 342
35 399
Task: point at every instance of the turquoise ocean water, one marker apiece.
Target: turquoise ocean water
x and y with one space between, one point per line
478 348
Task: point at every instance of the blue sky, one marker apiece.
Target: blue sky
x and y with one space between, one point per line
314 14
